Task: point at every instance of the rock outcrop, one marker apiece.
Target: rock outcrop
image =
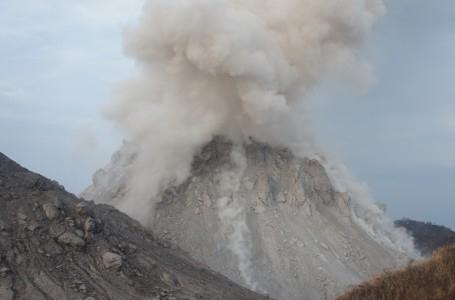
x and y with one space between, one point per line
266 219
56 246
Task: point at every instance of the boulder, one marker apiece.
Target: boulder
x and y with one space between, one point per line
71 239
51 211
112 261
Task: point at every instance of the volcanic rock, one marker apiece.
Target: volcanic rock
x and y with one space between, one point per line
112 260
50 211
53 263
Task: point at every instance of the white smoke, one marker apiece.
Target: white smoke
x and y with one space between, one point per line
367 214
229 67
232 215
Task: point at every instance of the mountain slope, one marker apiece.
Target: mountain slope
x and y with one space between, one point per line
56 246
266 219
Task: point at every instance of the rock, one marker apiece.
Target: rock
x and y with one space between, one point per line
169 279
55 230
4 226
80 233
52 248
70 221
89 225
51 211
33 226
71 239
132 247
58 202
4 271
19 259
81 208
112 260
6 292
22 218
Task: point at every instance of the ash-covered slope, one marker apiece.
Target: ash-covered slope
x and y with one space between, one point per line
267 219
56 246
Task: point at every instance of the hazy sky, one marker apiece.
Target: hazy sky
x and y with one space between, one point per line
59 60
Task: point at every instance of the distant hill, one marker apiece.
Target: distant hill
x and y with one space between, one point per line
427 236
433 279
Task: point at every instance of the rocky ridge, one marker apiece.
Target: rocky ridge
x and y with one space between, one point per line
54 245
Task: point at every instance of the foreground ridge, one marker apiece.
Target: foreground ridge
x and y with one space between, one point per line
56 246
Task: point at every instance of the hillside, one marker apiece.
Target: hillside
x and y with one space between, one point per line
433 279
267 219
54 246
427 236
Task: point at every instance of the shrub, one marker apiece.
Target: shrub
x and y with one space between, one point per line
433 279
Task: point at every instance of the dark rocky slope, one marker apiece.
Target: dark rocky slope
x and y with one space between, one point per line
56 246
427 236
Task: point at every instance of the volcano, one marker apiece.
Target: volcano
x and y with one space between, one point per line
267 219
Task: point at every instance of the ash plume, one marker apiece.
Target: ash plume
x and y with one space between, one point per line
227 67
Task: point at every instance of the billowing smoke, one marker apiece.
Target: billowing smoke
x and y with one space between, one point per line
227 67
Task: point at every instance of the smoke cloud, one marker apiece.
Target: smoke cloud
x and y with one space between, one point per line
227 67
232 216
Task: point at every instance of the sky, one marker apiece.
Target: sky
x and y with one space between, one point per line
60 59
